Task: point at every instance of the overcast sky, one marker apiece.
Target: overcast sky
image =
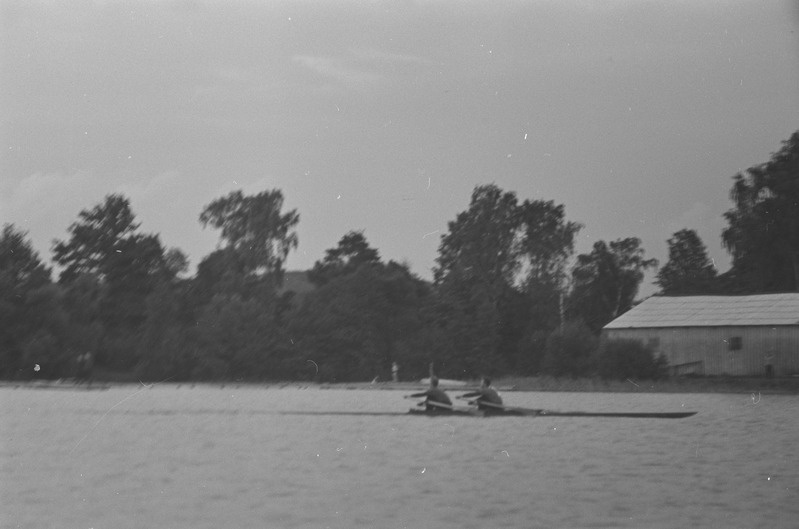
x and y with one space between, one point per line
383 116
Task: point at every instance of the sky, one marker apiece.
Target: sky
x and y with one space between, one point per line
382 116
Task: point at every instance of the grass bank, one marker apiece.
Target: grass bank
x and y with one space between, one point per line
776 385
783 385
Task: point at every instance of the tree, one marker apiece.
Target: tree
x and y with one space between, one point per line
31 319
83 300
235 337
220 272
606 281
176 262
469 321
481 246
547 247
164 342
254 228
95 239
137 264
235 292
363 316
41 336
20 267
478 260
105 244
763 227
626 359
569 351
352 252
497 237
689 270
492 252
548 242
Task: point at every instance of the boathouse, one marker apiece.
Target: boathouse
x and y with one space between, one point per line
717 335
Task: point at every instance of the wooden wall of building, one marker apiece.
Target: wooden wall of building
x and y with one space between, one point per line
737 351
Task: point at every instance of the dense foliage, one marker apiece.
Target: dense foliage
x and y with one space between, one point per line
569 351
606 281
689 270
499 279
629 359
508 295
763 227
31 319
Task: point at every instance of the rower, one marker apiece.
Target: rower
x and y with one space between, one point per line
486 394
434 395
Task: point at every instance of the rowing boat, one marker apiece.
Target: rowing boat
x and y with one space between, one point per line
469 412
498 410
550 413
473 412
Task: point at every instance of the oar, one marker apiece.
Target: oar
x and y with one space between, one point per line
493 405
431 403
509 409
439 405
422 403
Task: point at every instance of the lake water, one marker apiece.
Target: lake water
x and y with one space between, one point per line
226 457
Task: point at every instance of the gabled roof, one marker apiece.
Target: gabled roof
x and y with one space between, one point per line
711 311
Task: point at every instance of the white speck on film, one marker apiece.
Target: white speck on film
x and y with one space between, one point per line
314 364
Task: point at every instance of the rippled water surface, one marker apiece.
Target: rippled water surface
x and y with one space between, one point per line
211 457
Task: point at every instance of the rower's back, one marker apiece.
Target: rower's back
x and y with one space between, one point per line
437 394
488 393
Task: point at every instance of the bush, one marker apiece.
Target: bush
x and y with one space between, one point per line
569 351
532 351
623 359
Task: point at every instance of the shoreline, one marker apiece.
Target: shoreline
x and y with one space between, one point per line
782 385
775 386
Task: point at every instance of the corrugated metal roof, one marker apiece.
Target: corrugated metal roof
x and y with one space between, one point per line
711 311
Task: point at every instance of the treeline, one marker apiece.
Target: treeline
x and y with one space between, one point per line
508 294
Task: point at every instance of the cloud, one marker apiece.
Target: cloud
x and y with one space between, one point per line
165 185
46 204
374 55
360 68
698 215
39 193
337 70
